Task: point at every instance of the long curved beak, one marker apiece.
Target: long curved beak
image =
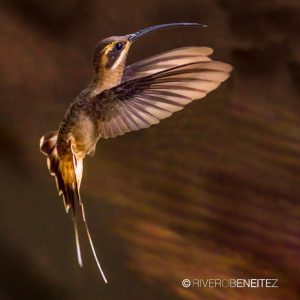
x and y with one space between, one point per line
134 36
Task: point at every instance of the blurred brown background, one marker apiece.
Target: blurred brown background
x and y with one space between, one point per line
212 192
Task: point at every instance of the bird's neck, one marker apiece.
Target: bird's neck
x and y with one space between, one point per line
106 78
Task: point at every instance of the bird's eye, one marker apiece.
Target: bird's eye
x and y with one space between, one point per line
119 46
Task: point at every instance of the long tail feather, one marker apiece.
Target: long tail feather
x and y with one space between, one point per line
88 234
68 172
92 245
79 257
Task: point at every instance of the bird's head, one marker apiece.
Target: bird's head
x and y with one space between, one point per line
111 53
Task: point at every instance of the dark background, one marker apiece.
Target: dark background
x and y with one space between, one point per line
212 192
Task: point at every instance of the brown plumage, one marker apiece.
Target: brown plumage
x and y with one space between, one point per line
121 99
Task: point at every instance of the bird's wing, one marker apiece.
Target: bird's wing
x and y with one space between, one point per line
144 101
166 60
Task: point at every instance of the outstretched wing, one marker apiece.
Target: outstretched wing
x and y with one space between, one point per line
166 60
144 101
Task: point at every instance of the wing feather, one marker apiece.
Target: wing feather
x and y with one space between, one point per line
166 60
144 101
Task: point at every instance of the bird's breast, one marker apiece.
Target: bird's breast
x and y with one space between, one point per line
85 136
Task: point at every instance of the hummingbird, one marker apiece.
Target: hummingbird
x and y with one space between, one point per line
120 99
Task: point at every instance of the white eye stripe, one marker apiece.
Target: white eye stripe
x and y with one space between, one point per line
119 59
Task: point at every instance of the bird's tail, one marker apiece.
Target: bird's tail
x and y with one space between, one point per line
67 171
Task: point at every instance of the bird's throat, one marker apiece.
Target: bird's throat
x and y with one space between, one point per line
106 78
